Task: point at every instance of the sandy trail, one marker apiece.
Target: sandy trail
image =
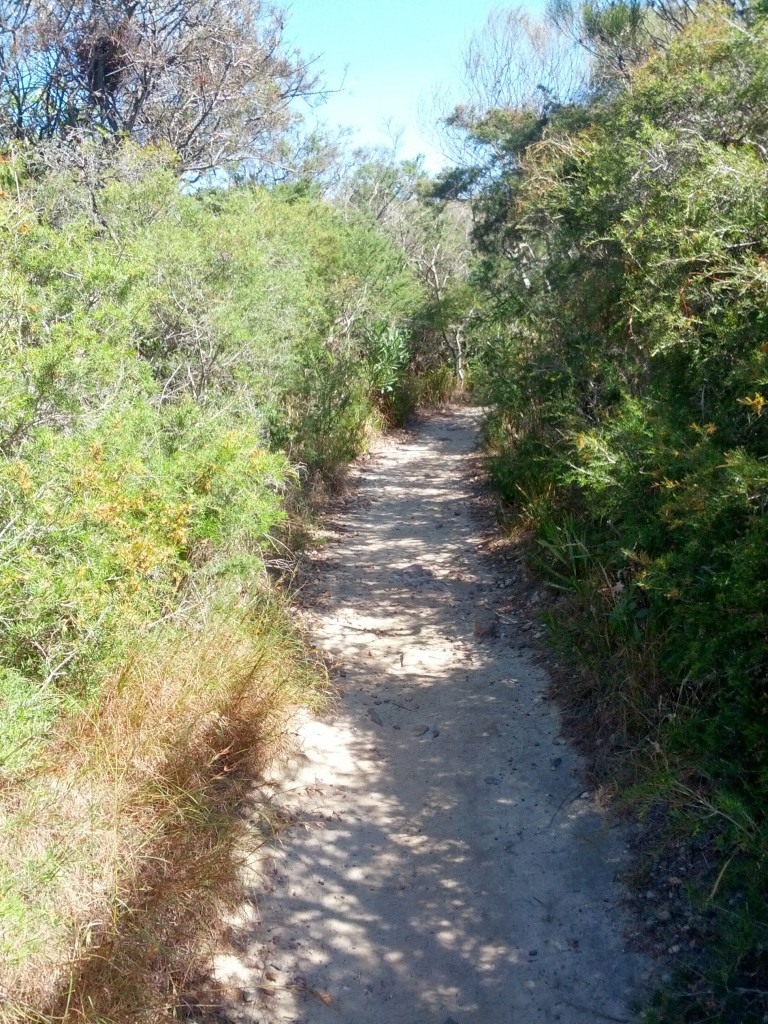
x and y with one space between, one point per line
447 864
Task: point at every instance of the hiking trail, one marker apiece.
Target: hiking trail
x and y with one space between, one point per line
446 863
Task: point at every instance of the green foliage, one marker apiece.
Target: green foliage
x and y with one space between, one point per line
161 358
323 418
171 365
167 359
438 385
388 357
432 233
623 251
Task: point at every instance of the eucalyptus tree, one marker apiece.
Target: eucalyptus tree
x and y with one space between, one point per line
434 236
211 79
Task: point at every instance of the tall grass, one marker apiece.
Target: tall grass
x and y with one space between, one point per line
121 848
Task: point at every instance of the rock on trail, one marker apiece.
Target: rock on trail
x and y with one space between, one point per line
445 861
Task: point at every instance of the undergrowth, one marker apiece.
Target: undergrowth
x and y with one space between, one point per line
120 846
623 251
176 368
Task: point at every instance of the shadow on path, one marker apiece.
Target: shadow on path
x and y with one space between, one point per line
446 863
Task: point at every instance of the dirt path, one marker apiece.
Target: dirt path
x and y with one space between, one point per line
449 865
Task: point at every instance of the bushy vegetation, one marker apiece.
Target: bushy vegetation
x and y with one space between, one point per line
622 245
173 366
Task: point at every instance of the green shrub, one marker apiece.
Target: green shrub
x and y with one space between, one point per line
623 253
169 364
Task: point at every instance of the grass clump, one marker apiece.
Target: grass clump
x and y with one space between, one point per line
121 846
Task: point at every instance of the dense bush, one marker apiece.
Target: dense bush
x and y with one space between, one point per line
157 362
623 250
171 364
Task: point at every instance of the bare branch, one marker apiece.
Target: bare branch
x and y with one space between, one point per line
210 78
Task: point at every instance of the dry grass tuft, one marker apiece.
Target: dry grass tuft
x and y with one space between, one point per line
125 844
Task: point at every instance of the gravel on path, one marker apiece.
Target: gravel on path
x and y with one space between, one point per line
446 863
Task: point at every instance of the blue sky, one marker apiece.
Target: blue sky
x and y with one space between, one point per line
396 53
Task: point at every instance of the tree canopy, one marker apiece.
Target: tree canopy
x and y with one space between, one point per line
211 79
